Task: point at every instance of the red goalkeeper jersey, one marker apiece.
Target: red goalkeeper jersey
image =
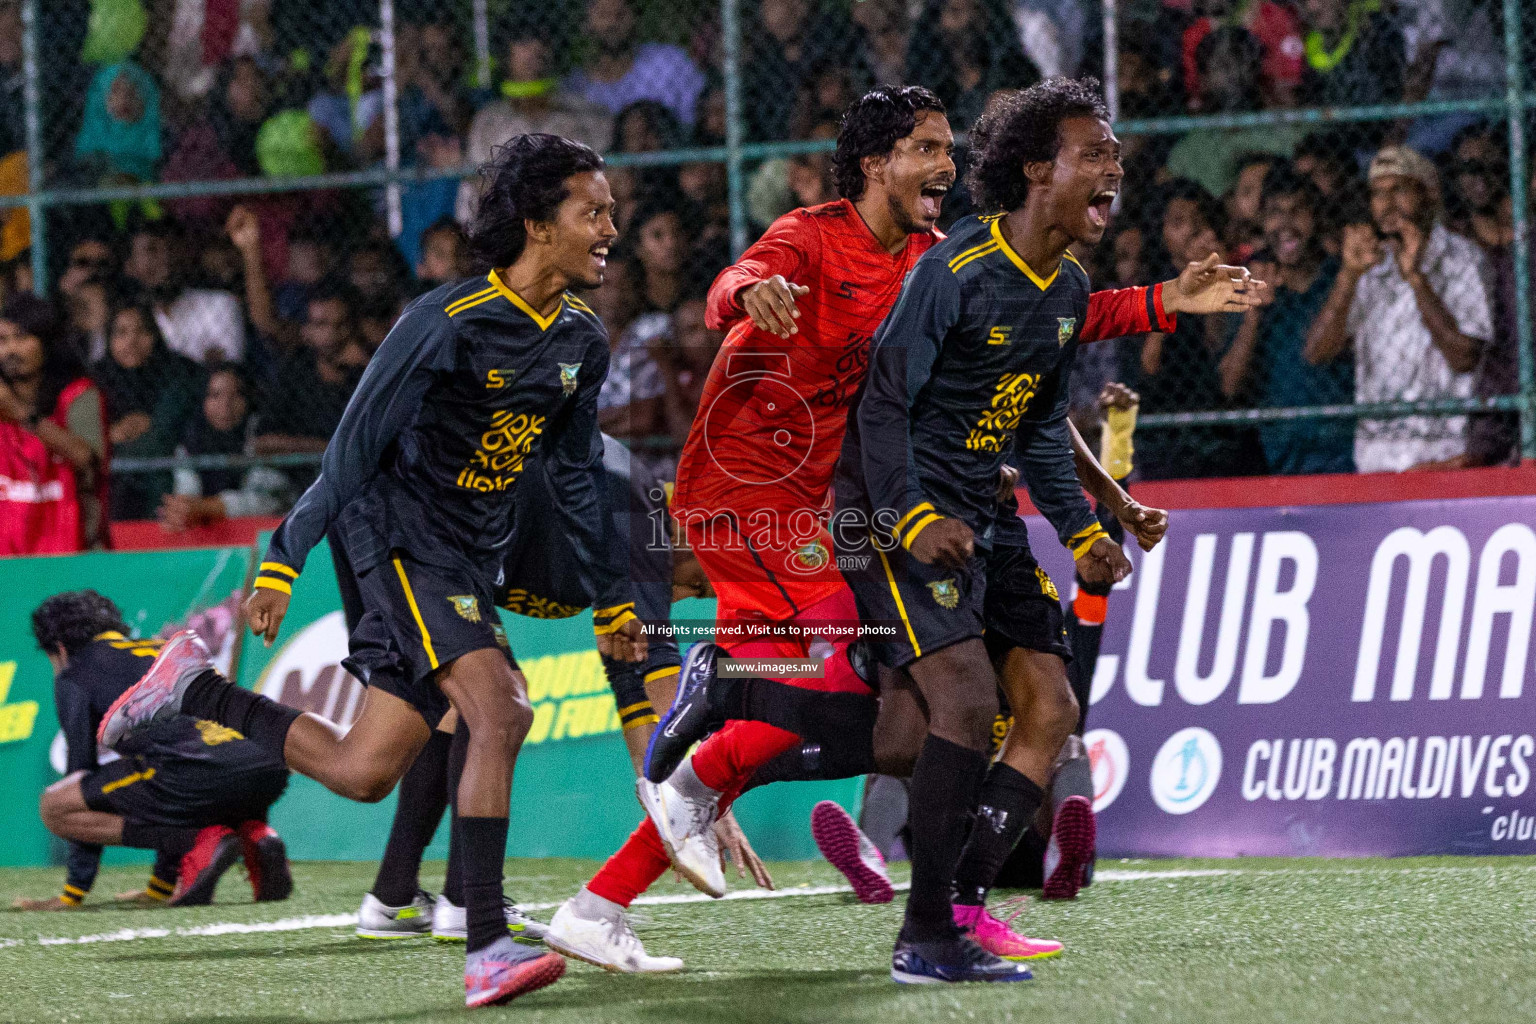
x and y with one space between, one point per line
771 420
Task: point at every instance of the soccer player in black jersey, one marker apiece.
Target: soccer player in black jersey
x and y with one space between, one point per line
971 364
541 583
418 487
194 791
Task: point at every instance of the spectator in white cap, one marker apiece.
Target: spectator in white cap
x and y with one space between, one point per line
1413 298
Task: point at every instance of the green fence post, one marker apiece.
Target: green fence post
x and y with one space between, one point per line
32 99
1514 41
730 25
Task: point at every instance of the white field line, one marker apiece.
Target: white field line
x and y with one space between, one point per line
311 921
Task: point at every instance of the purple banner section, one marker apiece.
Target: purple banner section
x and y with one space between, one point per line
1348 680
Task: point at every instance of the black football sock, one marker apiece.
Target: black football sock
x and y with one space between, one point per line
259 719
169 841
945 785
485 850
423 798
162 879
813 761
453 882
1008 804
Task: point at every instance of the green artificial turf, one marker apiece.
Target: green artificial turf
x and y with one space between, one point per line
1435 940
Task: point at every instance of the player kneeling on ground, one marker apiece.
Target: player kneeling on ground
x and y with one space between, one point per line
193 790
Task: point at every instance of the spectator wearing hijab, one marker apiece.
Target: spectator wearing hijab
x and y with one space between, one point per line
150 393
120 129
222 144
223 425
53 440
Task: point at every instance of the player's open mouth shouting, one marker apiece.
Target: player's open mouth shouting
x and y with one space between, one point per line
931 199
1100 206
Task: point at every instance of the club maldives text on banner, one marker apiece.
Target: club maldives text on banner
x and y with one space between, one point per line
1342 680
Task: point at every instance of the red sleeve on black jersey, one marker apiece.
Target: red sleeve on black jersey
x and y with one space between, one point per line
1123 311
791 246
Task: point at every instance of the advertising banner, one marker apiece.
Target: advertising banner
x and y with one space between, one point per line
1342 680
158 592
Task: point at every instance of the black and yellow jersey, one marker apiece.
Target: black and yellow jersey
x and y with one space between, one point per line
96 675
970 368
468 384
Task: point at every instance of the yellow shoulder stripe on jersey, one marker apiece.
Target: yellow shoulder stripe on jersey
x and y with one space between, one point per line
578 304
1068 255
1018 261
461 305
964 257
985 250
517 300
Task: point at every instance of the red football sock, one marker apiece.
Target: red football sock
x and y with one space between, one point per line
727 759
631 870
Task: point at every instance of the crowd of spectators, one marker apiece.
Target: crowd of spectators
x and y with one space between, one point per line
221 325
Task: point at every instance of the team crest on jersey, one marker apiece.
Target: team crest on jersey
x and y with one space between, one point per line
812 555
945 593
568 373
467 605
1065 325
1047 585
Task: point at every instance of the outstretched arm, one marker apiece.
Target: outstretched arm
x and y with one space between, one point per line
768 280
387 400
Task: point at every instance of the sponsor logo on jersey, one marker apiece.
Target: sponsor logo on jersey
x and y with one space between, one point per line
812 556
467 605
1065 325
1000 335
945 593
568 373
1186 770
1047 585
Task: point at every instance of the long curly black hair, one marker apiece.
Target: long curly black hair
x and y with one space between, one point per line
872 125
524 180
73 619
1025 128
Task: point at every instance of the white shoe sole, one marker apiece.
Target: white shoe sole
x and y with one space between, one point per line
578 953
366 933
903 978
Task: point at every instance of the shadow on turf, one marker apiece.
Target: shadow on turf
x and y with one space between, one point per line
718 995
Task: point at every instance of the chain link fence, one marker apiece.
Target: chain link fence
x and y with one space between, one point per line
232 199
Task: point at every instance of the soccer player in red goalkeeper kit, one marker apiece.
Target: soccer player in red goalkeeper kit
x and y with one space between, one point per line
753 483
